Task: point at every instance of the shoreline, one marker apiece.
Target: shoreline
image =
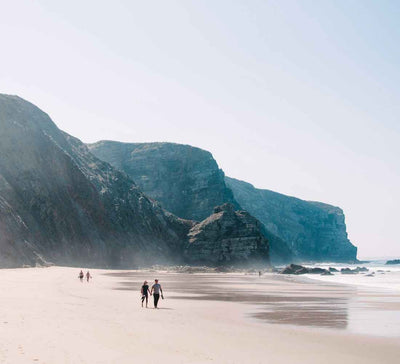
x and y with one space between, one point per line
50 317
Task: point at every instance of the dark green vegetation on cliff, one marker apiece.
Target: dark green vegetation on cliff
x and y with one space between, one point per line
314 231
185 180
59 203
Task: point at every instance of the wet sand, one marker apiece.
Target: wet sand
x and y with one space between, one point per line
288 300
48 316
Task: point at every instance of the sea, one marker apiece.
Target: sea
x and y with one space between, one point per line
379 275
373 307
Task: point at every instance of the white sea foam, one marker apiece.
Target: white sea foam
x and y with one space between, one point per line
384 277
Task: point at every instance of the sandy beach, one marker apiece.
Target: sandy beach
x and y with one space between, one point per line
49 316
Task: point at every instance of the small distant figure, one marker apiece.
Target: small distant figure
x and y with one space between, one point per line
259 273
81 275
145 293
88 276
157 290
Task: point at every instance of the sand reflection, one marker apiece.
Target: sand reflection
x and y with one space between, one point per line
276 299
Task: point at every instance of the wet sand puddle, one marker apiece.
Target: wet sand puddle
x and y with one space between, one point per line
284 300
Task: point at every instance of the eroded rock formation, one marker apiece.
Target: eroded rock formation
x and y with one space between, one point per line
227 237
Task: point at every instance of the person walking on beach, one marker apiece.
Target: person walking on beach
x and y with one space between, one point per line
81 276
88 276
145 293
157 290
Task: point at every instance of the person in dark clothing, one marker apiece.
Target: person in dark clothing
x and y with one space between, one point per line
145 293
81 275
156 288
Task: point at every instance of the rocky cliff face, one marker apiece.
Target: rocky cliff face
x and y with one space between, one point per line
314 231
227 237
59 203
185 180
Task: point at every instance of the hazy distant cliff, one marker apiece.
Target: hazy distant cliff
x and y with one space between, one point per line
313 230
185 180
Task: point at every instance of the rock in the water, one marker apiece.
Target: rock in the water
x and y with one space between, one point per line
292 269
302 270
332 269
314 231
227 237
317 270
357 270
299 269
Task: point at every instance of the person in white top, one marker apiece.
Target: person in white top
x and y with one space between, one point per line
156 288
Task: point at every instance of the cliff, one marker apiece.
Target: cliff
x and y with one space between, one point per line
314 231
185 180
228 237
59 203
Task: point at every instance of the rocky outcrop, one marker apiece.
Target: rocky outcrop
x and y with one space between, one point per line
354 271
61 204
185 180
227 237
299 269
314 231
392 262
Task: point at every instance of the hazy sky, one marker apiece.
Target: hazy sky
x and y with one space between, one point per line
301 97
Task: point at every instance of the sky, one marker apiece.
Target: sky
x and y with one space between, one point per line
300 97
